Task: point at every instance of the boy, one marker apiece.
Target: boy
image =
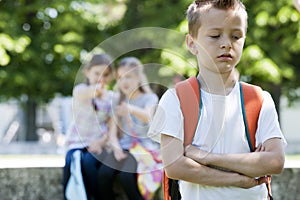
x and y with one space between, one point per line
218 164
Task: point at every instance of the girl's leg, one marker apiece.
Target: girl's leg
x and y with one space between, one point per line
66 170
128 178
89 167
129 183
106 176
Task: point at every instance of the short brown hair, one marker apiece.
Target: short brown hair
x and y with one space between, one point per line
100 59
194 11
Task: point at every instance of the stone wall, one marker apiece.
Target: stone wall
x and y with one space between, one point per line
45 184
31 184
39 184
286 186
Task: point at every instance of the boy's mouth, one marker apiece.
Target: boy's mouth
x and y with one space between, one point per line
225 55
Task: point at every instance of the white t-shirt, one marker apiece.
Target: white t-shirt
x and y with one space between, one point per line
219 130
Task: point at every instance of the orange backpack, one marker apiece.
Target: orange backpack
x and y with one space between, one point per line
188 92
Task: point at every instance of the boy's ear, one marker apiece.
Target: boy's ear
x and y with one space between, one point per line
191 44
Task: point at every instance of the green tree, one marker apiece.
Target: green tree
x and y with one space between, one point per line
42 44
272 49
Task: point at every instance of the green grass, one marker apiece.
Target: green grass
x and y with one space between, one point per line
293 157
24 156
18 160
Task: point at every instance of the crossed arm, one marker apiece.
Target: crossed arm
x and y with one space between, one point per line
189 165
267 159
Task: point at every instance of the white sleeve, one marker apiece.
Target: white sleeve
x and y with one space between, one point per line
168 117
268 125
151 100
78 88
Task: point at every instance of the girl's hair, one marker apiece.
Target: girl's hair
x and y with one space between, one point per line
138 68
196 8
100 59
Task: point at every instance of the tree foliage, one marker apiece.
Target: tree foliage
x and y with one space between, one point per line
272 49
43 42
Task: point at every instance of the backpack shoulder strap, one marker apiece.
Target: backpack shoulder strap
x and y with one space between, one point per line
251 101
188 93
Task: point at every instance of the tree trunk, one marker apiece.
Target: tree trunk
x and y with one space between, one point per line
276 94
30 120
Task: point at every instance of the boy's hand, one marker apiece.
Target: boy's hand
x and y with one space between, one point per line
260 148
248 182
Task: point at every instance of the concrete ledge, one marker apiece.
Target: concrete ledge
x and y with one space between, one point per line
286 186
31 183
33 177
45 183
36 174
36 184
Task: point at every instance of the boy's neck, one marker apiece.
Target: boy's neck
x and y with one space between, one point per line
219 84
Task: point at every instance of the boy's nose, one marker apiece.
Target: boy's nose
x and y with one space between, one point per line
225 43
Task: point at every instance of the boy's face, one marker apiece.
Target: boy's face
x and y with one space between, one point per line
220 39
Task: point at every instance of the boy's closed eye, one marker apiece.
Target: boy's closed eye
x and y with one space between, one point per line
235 37
214 36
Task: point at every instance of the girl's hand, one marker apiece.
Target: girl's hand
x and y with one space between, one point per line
99 90
119 154
122 109
97 145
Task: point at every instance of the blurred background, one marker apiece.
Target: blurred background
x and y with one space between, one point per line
43 44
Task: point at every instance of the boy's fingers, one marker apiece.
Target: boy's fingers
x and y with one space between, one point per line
261 180
259 148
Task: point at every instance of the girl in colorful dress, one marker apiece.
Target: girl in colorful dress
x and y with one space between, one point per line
136 104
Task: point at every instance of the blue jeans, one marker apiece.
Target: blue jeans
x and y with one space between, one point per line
99 172
125 170
66 169
98 178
